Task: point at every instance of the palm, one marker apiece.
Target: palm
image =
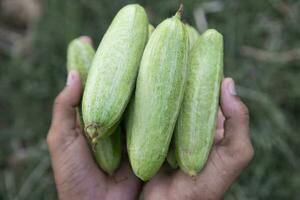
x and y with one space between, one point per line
229 156
177 185
168 182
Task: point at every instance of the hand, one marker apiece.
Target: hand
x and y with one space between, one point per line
76 174
78 177
230 155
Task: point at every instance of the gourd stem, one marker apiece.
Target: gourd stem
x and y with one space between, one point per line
179 13
91 131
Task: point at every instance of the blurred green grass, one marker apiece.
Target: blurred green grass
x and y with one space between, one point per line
267 82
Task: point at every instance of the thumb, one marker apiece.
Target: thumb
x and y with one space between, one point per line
236 114
70 154
63 127
236 139
64 113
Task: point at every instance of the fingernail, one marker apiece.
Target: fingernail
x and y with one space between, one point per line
231 87
71 77
86 39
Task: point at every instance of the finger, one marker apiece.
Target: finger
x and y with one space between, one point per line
63 128
64 113
220 119
219 136
236 126
78 122
220 127
86 39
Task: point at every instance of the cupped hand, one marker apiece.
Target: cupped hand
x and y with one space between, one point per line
231 153
77 176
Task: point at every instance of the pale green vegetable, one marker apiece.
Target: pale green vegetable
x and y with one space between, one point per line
196 122
128 119
159 93
193 35
151 29
114 71
108 152
79 57
129 109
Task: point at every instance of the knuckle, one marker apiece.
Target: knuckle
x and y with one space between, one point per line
59 103
243 111
58 100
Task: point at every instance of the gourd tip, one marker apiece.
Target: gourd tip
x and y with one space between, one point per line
179 13
91 131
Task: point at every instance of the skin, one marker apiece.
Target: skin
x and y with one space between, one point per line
78 177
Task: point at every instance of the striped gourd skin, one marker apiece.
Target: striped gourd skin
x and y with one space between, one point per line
150 30
193 35
108 152
113 73
79 57
195 129
130 108
128 119
158 96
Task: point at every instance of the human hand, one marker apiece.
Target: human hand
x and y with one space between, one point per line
77 176
230 154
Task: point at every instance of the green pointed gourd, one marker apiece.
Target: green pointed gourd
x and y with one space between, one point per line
128 119
193 35
151 29
159 93
80 55
129 110
108 152
195 129
114 70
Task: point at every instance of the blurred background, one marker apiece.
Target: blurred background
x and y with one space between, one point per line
262 53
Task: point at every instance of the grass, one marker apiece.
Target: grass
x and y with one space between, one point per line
261 54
